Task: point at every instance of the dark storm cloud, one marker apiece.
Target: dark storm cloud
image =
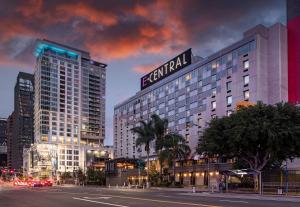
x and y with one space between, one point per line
112 30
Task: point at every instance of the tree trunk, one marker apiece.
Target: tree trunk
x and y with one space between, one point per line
174 178
256 183
148 168
160 170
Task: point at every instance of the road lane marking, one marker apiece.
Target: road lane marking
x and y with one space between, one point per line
144 199
232 201
163 201
97 198
109 204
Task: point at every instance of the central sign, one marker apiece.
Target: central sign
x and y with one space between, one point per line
170 67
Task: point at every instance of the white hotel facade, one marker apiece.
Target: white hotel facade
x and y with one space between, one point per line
69 110
251 70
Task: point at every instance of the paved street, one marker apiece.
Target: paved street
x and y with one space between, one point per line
82 197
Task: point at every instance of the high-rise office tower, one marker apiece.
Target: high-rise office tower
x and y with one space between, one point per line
20 123
69 105
3 134
3 142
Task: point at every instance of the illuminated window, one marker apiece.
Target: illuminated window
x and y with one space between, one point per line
229 100
213 105
228 112
246 95
246 64
246 80
214 91
188 77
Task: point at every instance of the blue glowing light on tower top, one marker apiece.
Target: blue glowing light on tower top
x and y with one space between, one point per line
43 46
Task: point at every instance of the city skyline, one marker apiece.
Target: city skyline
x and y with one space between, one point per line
149 40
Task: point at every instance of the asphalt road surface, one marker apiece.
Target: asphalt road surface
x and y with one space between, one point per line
98 197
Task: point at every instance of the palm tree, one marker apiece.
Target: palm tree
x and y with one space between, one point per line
175 148
145 137
160 127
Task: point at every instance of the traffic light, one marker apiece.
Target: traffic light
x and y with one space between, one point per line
11 171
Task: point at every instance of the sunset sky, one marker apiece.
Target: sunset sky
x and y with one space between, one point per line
132 37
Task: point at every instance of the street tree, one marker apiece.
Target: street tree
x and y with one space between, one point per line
259 135
145 137
160 127
174 148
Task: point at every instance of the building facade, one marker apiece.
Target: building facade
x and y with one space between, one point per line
9 131
3 142
250 70
69 115
20 123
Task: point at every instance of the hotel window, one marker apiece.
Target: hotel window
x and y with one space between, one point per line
171 113
229 72
193 105
162 94
188 113
246 95
182 97
162 105
229 100
213 78
171 124
228 112
193 93
172 101
181 121
206 87
200 83
214 92
213 105
188 77
228 86
246 64
181 109
246 80
229 57
206 73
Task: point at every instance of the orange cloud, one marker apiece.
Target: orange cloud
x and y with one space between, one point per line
31 8
88 12
146 68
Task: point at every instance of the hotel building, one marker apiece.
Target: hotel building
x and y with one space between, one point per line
250 70
69 116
